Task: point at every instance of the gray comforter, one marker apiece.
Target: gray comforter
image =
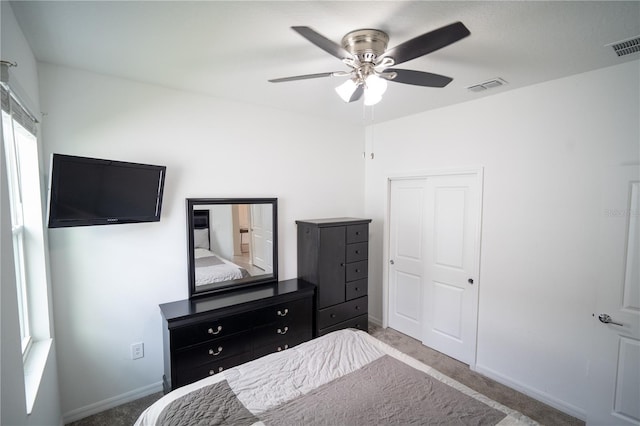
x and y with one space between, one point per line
385 391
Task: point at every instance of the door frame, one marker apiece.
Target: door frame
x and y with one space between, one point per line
425 174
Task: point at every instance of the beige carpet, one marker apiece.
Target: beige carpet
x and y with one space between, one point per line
126 414
530 407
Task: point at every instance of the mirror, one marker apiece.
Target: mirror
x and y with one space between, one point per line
231 243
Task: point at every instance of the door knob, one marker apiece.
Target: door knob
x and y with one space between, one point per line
391 261
606 319
470 280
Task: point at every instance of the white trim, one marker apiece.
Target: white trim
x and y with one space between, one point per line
106 404
375 321
544 397
419 174
35 362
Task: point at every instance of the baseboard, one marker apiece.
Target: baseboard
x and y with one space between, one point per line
375 321
98 407
552 401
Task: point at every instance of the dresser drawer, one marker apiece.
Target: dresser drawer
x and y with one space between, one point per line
294 311
342 312
357 233
281 331
355 289
200 372
361 323
356 271
214 349
285 343
357 251
209 329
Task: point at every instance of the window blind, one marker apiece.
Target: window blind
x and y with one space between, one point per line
12 107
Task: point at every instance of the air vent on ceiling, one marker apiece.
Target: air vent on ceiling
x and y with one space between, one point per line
489 84
626 47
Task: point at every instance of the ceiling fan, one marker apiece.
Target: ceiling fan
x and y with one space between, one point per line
365 52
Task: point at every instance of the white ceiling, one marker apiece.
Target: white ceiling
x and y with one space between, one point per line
229 49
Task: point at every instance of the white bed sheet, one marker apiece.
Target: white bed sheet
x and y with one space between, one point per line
271 380
216 273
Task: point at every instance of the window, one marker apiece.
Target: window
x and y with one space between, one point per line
20 142
21 162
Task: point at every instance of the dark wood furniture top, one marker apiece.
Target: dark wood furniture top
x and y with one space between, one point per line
207 335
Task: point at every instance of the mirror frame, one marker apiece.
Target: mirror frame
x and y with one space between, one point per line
236 284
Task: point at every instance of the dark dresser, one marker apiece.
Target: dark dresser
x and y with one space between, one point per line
204 336
333 255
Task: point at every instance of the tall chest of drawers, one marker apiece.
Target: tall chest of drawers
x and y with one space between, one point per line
333 255
205 336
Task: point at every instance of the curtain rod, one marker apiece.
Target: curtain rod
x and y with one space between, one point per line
16 91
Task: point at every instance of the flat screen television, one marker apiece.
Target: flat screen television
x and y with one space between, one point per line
90 191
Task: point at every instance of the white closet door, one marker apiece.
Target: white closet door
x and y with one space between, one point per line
407 254
451 284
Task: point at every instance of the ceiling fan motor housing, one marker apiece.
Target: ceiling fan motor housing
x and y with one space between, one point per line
366 44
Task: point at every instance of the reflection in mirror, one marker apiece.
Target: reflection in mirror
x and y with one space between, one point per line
232 243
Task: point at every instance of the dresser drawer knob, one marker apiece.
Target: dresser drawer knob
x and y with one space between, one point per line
283 331
332 315
357 251
283 313
280 348
211 352
357 308
356 289
212 372
216 331
357 270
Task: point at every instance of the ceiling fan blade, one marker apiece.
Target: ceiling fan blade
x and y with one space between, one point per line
322 42
357 94
419 78
427 43
302 77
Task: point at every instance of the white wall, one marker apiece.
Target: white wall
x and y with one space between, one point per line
109 280
46 409
543 149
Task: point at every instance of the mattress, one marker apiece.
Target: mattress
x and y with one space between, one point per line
346 377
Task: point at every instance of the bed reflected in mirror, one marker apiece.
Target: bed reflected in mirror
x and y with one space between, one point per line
232 243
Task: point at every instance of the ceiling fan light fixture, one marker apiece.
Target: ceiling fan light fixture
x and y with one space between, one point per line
347 89
374 89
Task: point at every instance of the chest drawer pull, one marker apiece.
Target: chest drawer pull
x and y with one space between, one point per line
212 372
216 331
211 352
283 331
280 348
283 313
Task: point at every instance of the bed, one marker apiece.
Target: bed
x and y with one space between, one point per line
210 268
343 378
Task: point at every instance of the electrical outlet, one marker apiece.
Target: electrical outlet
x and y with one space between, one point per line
137 350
